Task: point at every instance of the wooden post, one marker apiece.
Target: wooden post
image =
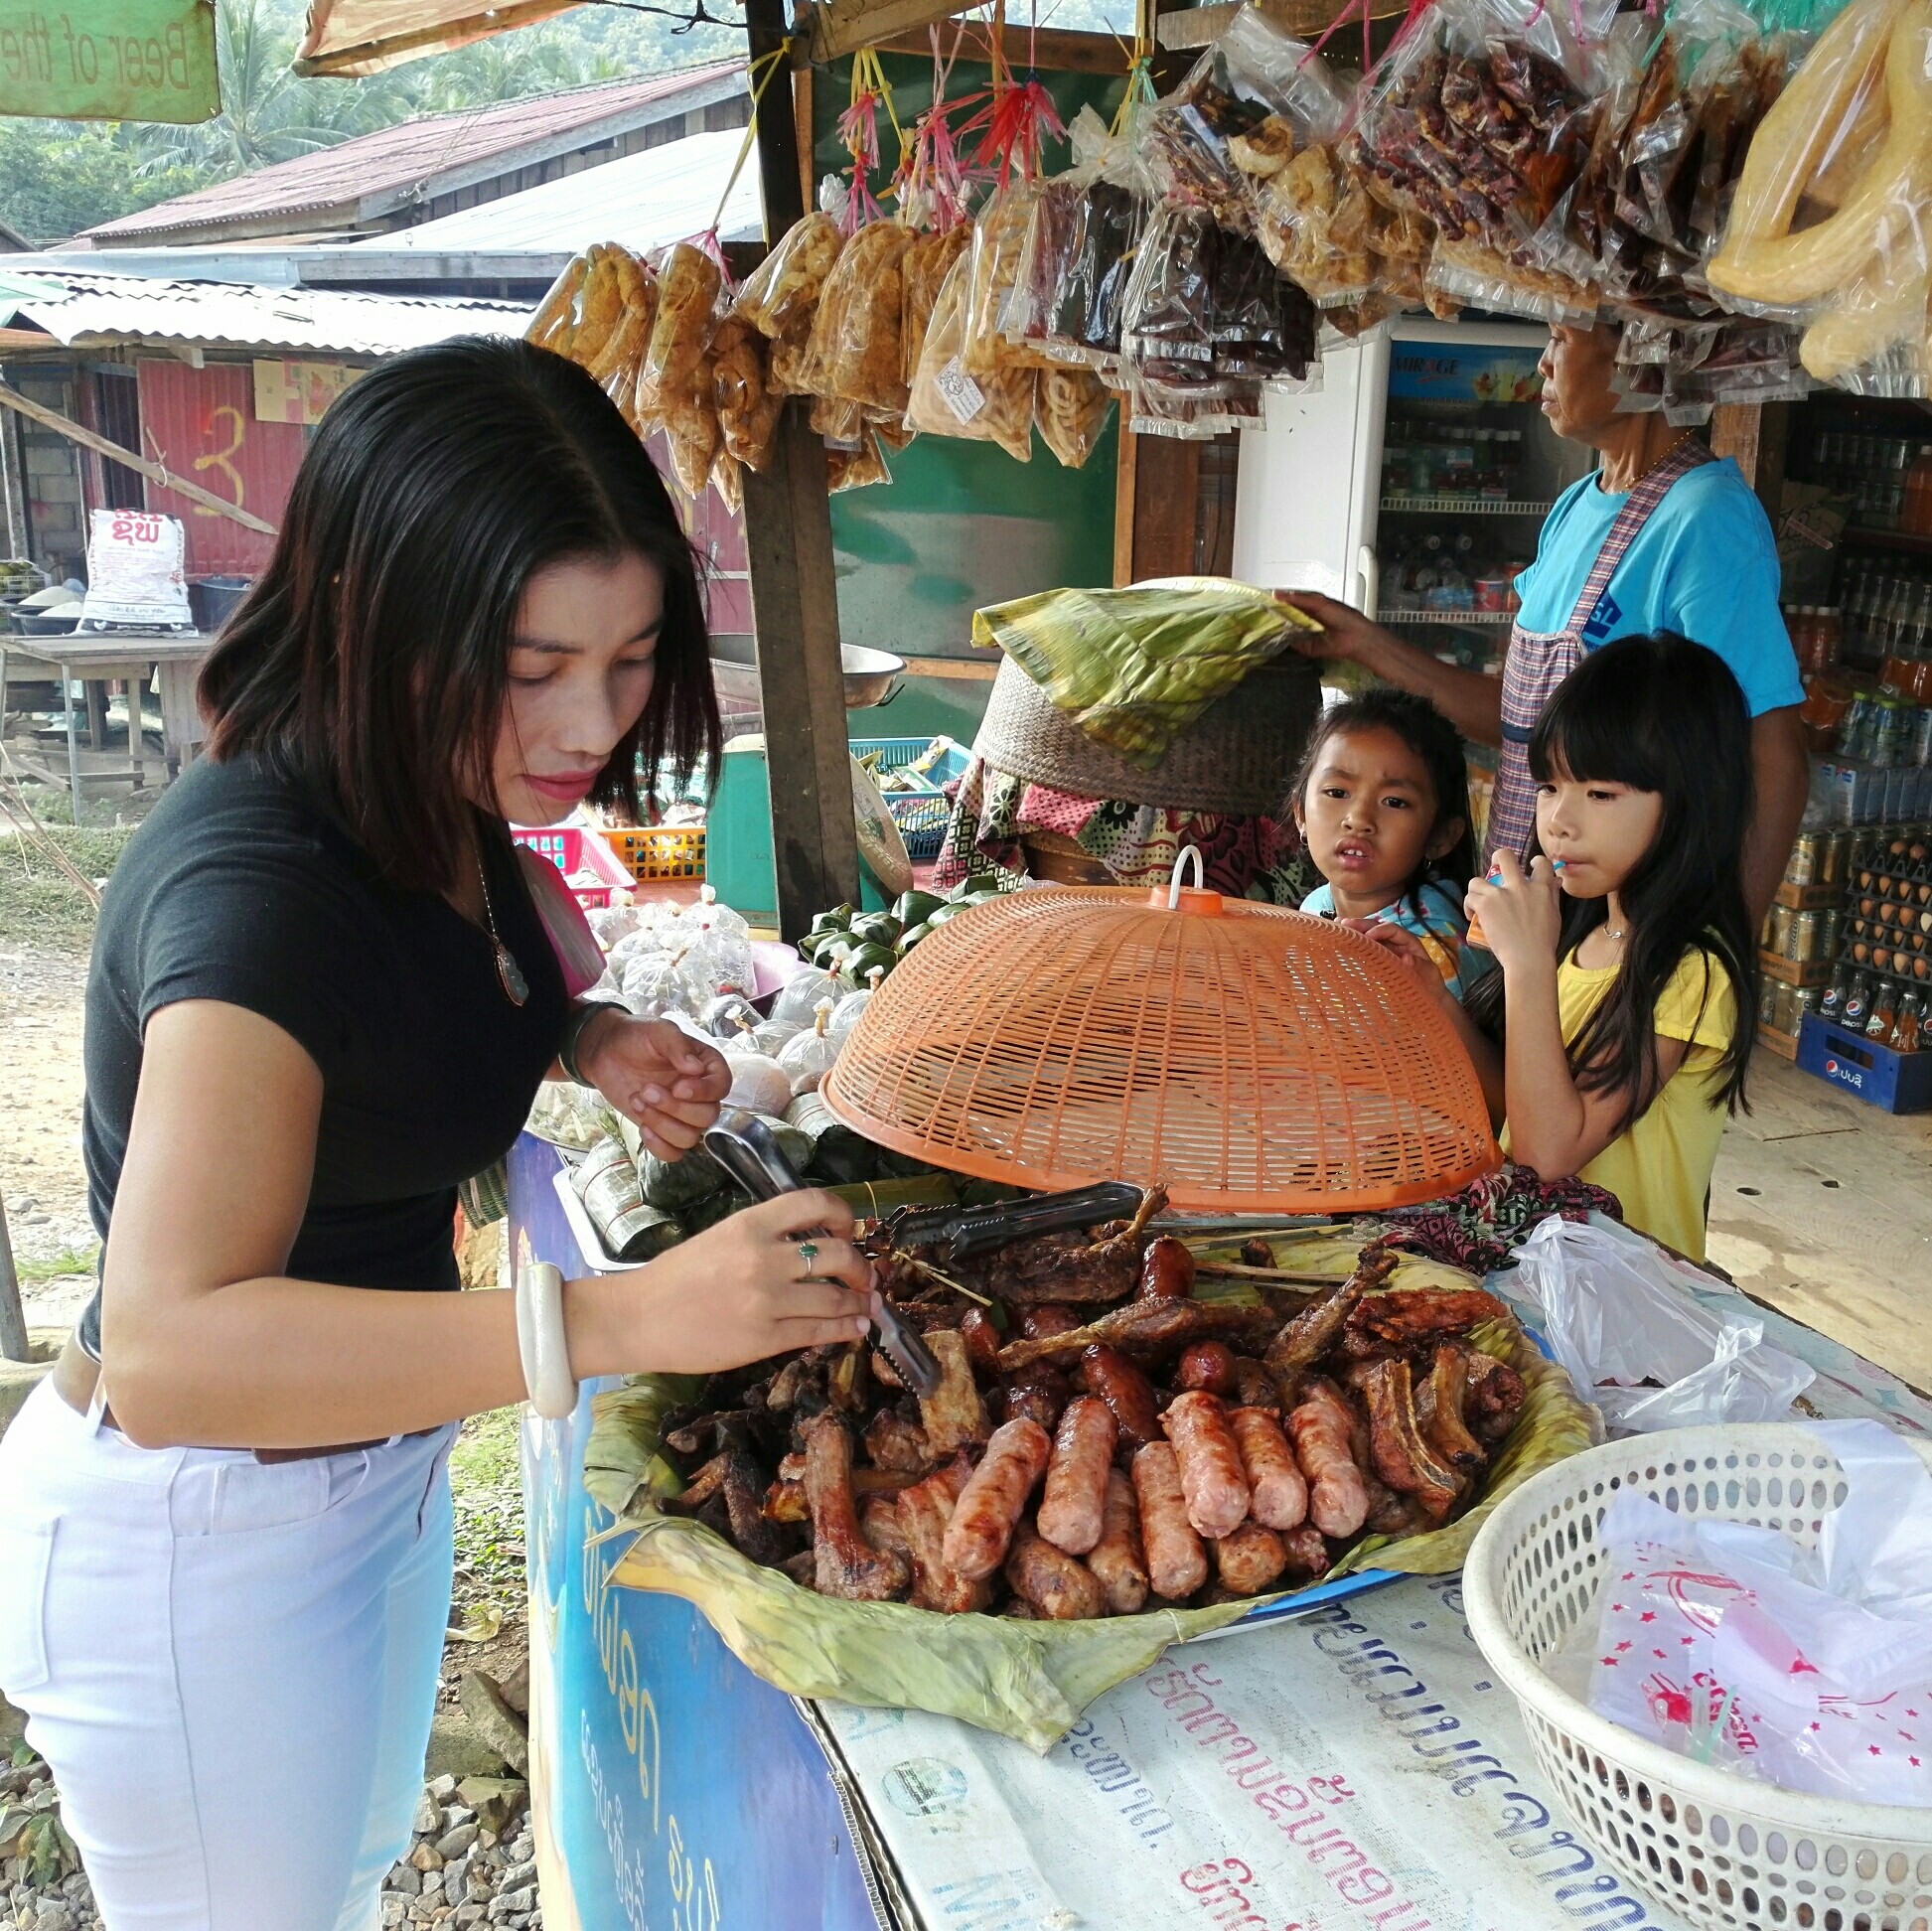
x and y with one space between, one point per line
794 594
13 1317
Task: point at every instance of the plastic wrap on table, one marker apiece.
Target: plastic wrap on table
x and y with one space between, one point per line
784 288
688 284
1252 95
948 402
1071 408
854 469
856 350
747 406
922 270
1829 222
998 239
1028 1680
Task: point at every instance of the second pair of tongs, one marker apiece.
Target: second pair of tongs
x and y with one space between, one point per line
749 1153
961 1230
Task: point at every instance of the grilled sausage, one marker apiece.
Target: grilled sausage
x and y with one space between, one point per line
1281 1495
1249 1560
1053 1584
989 1511
1166 1271
1177 1565
1108 1372
1307 1552
1037 1323
982 1342
924 1511
1118 1558
1217 1490
1039 1393
1321 1428
1210 1367
1072 1511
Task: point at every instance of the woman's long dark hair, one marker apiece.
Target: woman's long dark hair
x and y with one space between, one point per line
1433 740
370 659
1664 715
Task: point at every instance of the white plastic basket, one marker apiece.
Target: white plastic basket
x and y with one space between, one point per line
1719 1848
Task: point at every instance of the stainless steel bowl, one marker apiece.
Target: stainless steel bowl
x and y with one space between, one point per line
734 670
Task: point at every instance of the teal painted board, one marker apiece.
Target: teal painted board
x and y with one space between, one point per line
961 525
928 708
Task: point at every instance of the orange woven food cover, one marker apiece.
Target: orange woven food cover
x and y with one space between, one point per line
1250 1057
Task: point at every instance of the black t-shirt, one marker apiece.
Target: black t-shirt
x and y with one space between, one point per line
241 887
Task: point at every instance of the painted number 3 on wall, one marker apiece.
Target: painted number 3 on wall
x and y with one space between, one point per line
219 459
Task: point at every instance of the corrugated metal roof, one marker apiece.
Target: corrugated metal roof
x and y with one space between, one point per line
643 200
87 308
404 157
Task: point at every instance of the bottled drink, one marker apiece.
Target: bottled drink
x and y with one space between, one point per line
1832 1005
1858 1004
1884 1011
1918 494
1906 1029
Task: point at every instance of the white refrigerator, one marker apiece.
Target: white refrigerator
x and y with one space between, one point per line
1412 484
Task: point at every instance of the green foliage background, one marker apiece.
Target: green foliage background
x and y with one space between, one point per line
57 178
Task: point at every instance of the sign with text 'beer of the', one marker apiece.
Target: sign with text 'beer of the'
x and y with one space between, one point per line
110 60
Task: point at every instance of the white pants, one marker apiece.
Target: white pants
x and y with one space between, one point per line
231 1668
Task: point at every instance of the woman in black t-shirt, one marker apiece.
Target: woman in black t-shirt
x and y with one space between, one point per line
322 996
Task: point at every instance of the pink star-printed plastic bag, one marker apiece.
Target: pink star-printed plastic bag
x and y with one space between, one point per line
1809 1668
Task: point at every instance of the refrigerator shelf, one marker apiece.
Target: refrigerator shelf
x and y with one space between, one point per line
1465 505
1384 616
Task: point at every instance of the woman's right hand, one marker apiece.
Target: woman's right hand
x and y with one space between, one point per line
1345 636
740 1291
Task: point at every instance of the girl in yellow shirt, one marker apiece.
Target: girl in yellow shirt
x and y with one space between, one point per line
1623 998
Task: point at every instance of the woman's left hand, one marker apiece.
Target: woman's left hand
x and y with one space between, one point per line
657 1074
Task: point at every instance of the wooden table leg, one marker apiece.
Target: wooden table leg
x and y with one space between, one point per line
182 729
73 747
94 691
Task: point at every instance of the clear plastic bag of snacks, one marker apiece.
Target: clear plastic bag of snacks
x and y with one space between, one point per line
555 322
922 270
690 419
998 239
945 400
688 285
855 351
784 288
854 469
1071 408
747 407
1241 105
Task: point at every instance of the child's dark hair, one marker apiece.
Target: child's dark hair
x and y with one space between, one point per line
1434 739
1664 715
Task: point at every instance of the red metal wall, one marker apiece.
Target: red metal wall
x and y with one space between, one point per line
200 424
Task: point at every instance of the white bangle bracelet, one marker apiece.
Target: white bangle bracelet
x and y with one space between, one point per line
542 1344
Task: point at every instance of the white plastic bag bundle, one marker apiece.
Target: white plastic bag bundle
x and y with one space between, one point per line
1622 1318
1810 1669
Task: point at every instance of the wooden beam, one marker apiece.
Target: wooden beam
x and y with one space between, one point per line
1755 436
840 27
1050 50
49 419
1193 27
794 593
1125 481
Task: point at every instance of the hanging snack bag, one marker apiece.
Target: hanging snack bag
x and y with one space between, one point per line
784 288
689 283
948 402
1071 408
854 352
728 479
747 407
1244 101
691 425
999 240
854 469
839 422
637 294
555 321
922 270
600 305
1829 223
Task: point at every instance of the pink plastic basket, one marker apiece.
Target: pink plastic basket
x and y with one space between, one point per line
572 849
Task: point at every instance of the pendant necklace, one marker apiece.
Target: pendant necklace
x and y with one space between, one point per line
510 975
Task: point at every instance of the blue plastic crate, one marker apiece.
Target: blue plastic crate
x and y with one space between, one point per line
1897 1082
921 816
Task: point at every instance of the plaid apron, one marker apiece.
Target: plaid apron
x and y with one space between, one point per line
1538 660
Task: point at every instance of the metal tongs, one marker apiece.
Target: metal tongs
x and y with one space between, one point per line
746 1148
960 1231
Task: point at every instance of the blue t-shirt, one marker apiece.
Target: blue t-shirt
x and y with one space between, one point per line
1704 566
1440 927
